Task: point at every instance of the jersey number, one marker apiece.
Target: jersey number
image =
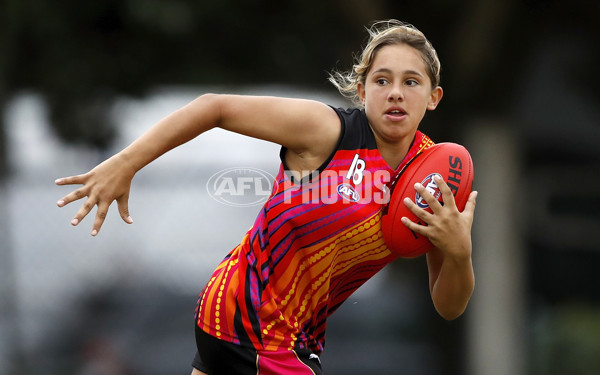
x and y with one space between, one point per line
356 170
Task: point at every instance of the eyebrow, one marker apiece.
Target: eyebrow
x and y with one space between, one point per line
389 71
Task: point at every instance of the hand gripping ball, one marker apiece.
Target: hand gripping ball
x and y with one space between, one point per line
449 160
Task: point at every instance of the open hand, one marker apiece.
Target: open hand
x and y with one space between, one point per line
107 182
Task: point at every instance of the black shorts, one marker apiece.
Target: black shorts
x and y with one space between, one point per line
217 357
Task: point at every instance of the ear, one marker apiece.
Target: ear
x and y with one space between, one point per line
436 95
360 90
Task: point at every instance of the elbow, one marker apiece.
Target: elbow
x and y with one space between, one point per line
209 95
451 312
451 304
451 315
211 99
209 107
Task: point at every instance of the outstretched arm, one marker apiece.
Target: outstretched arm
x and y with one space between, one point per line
307 128
451 277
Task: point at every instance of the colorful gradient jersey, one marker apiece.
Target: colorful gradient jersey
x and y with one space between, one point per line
312 245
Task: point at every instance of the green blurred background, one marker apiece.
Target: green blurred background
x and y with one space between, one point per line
80 80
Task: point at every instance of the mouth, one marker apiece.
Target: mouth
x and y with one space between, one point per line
396 113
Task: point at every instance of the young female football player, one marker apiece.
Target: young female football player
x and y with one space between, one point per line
265 308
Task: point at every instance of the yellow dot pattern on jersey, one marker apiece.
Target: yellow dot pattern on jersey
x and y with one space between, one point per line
220 295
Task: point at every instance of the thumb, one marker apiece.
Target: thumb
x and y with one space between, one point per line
123 205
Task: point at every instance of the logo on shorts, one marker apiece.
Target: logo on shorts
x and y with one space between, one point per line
431 186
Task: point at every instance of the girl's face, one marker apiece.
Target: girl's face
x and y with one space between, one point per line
396 93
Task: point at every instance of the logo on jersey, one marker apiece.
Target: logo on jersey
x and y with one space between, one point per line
347 192
431 186
355 173
240 187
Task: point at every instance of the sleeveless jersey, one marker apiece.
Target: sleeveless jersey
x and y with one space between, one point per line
312 245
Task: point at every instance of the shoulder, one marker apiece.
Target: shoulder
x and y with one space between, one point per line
351 115
356 132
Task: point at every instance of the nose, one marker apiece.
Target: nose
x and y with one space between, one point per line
395 93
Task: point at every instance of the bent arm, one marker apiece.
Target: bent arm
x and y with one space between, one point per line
451 277
307 128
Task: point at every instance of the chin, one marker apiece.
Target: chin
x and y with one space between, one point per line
398 135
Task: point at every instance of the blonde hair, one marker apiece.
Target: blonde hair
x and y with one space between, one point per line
381 34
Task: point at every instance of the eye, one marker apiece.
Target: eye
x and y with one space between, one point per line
411 82
381 81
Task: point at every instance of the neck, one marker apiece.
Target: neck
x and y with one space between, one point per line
393 153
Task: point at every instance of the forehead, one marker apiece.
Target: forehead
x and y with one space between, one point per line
398 58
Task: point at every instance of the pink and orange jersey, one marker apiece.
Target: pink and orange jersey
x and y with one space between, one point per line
314 242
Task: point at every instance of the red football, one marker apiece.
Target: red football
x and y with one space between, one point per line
450 160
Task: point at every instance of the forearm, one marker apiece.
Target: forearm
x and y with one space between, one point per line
453 287
179 127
